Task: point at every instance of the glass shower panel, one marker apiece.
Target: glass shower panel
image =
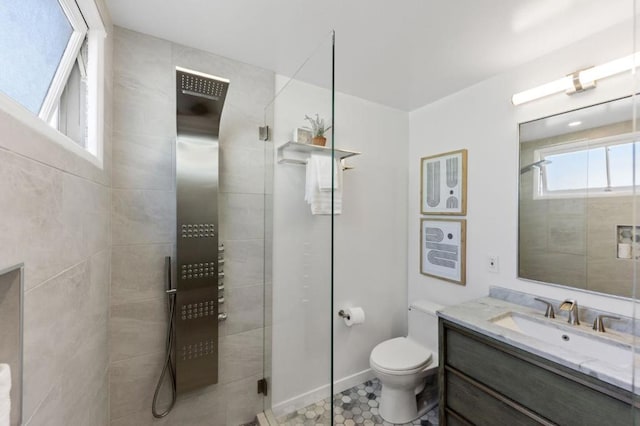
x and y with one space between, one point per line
635 86
298 363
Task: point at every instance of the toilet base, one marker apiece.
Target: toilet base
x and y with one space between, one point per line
404 406
398 405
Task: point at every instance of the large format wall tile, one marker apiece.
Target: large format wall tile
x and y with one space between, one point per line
139 166
240 355
49 412
142 64
132 382
242 402
52 329
138 328
143 216
244 262
86 208
135 118
241 216
65 339
245 308
139 272
242 170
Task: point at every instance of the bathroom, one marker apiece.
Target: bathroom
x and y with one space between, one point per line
89 218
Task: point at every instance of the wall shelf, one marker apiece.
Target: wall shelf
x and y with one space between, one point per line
297 153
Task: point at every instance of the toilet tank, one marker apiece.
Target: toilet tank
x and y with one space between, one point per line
423 323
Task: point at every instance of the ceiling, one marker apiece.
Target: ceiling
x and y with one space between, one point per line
403 53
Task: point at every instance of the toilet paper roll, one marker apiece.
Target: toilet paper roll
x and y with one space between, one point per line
355 316
624 251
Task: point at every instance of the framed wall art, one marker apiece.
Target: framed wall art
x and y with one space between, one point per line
443 184
443 249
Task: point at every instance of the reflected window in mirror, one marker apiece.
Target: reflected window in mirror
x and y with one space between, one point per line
586 167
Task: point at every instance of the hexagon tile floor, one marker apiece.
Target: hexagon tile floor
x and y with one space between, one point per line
355 406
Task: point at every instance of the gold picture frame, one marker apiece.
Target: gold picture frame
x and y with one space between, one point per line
443 184
443 249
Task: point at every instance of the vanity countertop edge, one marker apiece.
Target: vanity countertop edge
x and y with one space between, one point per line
477 314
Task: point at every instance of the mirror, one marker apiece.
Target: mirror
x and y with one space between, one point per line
576 199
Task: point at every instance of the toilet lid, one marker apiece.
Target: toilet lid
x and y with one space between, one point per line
400 354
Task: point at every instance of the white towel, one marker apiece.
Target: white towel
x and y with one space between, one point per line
5 398
323 170
319 196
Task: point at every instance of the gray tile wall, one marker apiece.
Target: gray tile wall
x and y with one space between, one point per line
10 323
143 216
55 217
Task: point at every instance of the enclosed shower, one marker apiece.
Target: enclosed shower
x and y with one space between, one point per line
243 319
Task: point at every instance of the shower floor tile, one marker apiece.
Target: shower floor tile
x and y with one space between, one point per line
355 406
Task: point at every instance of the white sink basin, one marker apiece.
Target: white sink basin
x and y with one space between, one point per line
581 340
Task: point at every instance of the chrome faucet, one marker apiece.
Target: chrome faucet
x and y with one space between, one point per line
571 305
598 325
549 312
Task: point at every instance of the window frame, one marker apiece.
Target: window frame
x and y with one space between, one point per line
94 151
70 55
540 191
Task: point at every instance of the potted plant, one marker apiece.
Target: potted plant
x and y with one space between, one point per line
318 129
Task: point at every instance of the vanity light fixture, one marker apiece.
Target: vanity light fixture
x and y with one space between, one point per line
578 81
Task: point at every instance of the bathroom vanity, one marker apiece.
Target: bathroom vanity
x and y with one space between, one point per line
490 375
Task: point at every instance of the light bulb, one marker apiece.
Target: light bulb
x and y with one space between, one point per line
560 85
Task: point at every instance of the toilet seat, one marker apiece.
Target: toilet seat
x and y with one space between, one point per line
400 356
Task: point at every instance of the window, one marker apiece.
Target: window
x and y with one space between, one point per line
603 167
51 57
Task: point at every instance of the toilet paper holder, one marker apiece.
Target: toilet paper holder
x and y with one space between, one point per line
343 314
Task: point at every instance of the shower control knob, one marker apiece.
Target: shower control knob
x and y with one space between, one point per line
222 316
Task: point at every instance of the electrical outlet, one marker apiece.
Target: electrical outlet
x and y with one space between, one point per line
492 263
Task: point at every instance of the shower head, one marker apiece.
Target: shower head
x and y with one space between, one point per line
205 86
537 164
200 98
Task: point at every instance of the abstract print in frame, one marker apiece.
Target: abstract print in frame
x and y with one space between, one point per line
443 183
443 249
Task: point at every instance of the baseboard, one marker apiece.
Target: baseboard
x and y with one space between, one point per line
315 395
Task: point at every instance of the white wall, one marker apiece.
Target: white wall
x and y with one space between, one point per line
370 245
483 120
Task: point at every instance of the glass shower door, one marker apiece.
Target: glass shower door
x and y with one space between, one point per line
298 340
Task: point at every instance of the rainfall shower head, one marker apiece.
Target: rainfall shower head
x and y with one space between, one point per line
209 87
200 98
537 164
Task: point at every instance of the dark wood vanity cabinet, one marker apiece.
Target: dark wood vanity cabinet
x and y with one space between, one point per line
486 382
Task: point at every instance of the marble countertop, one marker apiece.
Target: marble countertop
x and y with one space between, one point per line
478 314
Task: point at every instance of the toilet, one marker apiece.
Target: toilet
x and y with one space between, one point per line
403 365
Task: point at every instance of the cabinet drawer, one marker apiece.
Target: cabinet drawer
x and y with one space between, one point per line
481 408
452 419
535 386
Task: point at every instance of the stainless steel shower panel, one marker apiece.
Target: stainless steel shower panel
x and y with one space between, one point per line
199 100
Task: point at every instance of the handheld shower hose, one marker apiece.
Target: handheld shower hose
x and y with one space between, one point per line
168 362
